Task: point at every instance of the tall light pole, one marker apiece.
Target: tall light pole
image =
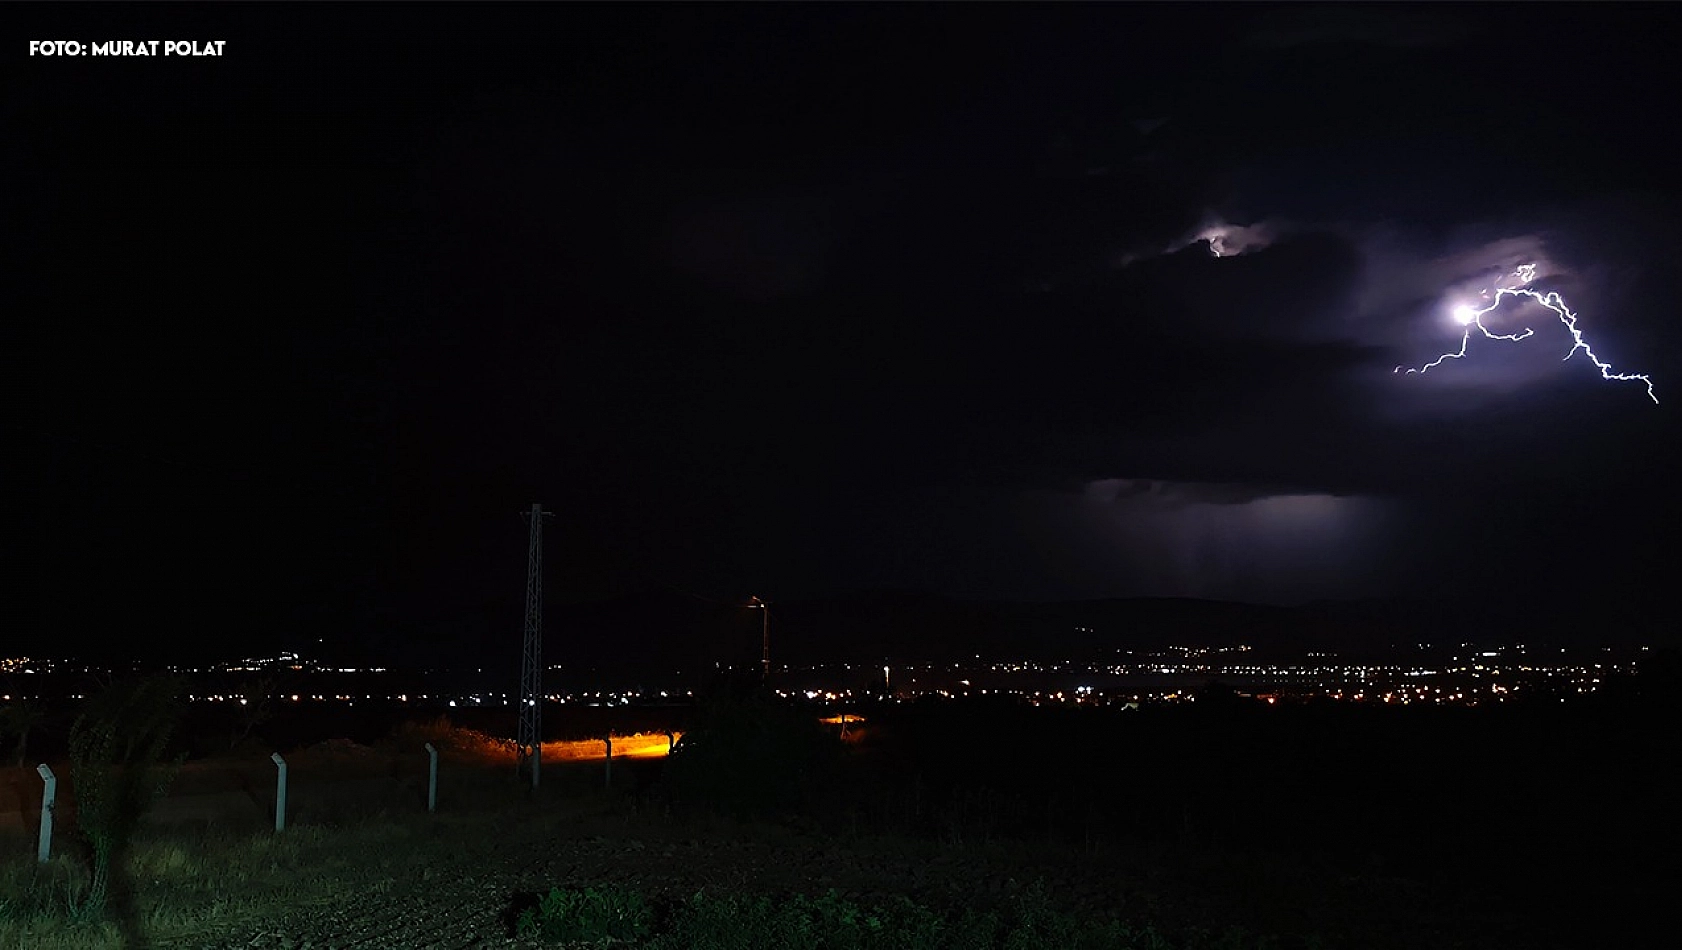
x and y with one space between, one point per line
529 740
765 637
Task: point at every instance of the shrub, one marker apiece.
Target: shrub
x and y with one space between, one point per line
752 757
410 736
829 922
591 915
727 922
117 749
834 922
18 719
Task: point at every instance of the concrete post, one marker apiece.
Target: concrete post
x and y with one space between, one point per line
431 778
280 792
49 796
609 741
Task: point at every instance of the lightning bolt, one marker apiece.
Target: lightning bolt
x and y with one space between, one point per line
1473 319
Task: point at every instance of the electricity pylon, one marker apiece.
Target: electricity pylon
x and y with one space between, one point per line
765 638
529 740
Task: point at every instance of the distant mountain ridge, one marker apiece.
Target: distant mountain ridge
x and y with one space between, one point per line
659 627
871 626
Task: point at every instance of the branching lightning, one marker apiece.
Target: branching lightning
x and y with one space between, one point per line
1472 318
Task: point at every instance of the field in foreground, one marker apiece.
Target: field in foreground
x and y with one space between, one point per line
452 880
1225 827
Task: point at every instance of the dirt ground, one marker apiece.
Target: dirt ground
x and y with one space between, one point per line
461 900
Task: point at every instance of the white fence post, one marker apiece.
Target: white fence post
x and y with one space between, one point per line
431 778
280 792
49 795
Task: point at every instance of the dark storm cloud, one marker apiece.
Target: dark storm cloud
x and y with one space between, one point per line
1034 347
1220 541
1268 371
1175 495
1291 287
1359 24
816 297
1310 362
760 249
1010 194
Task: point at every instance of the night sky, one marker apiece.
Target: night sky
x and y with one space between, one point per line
793 300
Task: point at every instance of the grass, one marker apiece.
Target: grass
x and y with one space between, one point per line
831 921
188 884
196 885
934 866
185 882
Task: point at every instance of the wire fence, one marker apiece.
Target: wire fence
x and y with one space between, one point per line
326 784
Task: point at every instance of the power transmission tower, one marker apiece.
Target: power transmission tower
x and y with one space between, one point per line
765 638
529 741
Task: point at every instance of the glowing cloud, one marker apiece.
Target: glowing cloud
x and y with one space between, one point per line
1224 240
1220 540
1472 318
1230 240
